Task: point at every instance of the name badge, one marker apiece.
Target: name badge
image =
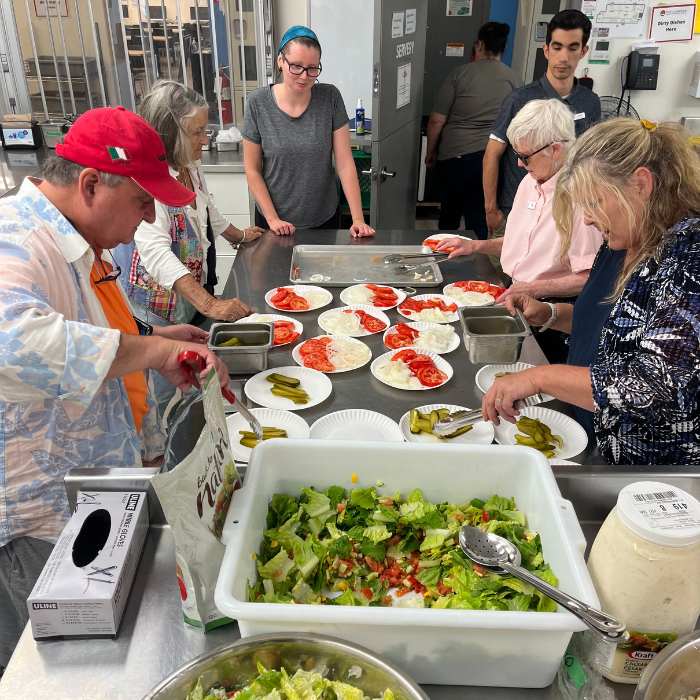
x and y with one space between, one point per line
580 115
531 205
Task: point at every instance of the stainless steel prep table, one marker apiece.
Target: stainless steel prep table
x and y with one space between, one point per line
153 640
265 264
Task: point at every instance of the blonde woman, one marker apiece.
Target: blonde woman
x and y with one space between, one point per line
639 183
542 133
170 274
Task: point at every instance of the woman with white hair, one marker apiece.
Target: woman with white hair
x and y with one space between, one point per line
531 252
171 267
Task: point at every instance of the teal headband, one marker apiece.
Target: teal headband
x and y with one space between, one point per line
294 33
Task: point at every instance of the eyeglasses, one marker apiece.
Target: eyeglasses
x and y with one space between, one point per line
107 276
524 159
296 69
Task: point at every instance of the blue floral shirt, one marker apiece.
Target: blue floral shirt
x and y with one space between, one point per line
57 411
646 380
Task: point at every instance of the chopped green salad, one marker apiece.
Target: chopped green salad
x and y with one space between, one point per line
362 548
279 685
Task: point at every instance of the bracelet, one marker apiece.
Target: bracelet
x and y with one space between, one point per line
243 239
552 318
235 245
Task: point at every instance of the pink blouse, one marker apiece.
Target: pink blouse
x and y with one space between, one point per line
532 244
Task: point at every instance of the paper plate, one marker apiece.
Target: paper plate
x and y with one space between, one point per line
297 428
480 434
573 435
316 384
486 375
296 355
441 364
253 318
300 289
356 424
440 237
371 310
446 291
401 295
424 297
424 326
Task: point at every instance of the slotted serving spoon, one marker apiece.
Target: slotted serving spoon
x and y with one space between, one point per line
500 556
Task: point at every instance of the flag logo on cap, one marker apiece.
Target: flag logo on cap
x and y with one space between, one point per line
118 153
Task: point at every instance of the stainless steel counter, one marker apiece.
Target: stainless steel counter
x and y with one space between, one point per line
153 640
222 162
265 263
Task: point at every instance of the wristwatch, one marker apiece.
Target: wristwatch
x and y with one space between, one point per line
144 328
552 318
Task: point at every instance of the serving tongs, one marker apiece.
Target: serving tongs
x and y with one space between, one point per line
190 361
461 419
421 258
500 556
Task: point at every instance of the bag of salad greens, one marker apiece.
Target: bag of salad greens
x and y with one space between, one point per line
195 497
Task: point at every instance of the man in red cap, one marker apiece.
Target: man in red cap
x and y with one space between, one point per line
67 374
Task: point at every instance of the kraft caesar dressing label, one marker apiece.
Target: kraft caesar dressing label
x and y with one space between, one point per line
630 659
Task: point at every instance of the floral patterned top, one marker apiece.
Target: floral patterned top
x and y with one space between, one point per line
57 411
646 380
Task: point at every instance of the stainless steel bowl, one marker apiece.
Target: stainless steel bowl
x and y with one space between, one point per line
674 673
293 651
249 358
492 335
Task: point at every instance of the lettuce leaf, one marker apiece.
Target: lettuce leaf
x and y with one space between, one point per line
496 502
347 598
377 533
336 494
385 514
516 515
430 577
282 507
370 549
304 556
318 503
519 603
364 498
267 570
341 547
434 539
343 691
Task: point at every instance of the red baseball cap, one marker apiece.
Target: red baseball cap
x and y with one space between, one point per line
117 141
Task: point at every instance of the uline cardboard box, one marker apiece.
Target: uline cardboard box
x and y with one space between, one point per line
83 588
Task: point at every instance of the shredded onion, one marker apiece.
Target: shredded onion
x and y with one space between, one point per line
315 299
437 339
343 354
432 316
360 295
258 318
398 374
470 298
340 323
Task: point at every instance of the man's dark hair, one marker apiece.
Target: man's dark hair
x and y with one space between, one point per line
493 35
569 20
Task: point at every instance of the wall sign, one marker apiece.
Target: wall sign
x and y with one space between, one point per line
410 22
456 50
672 22
459 8
40 8
403 86
397 25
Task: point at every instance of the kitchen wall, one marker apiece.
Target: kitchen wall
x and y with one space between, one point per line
670 100
287 13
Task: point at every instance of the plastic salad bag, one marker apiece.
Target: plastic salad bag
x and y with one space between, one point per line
579 675
195 497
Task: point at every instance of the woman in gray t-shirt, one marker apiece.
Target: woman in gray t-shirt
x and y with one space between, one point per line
291 133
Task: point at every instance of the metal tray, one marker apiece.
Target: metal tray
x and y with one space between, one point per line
357 264
492 335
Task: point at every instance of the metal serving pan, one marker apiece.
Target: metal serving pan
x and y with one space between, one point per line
249 358
346 265
344 661
492 335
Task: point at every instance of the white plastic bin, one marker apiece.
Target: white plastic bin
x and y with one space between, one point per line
446 647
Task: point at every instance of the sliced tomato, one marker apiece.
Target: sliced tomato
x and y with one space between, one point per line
285 335
485 517
482 287
299 304
385 293
285 324
395 341
281 295
420 361
384 303
372 324
431 243
325 340
496 292
311 346
404 356
318 361
430 376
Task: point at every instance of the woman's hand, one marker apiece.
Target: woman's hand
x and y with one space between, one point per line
281 228
359 228
536 313
228 310
462 246
505 391
252 233
184 332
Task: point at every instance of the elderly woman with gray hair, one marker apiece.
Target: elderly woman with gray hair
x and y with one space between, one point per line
170 269
542 134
